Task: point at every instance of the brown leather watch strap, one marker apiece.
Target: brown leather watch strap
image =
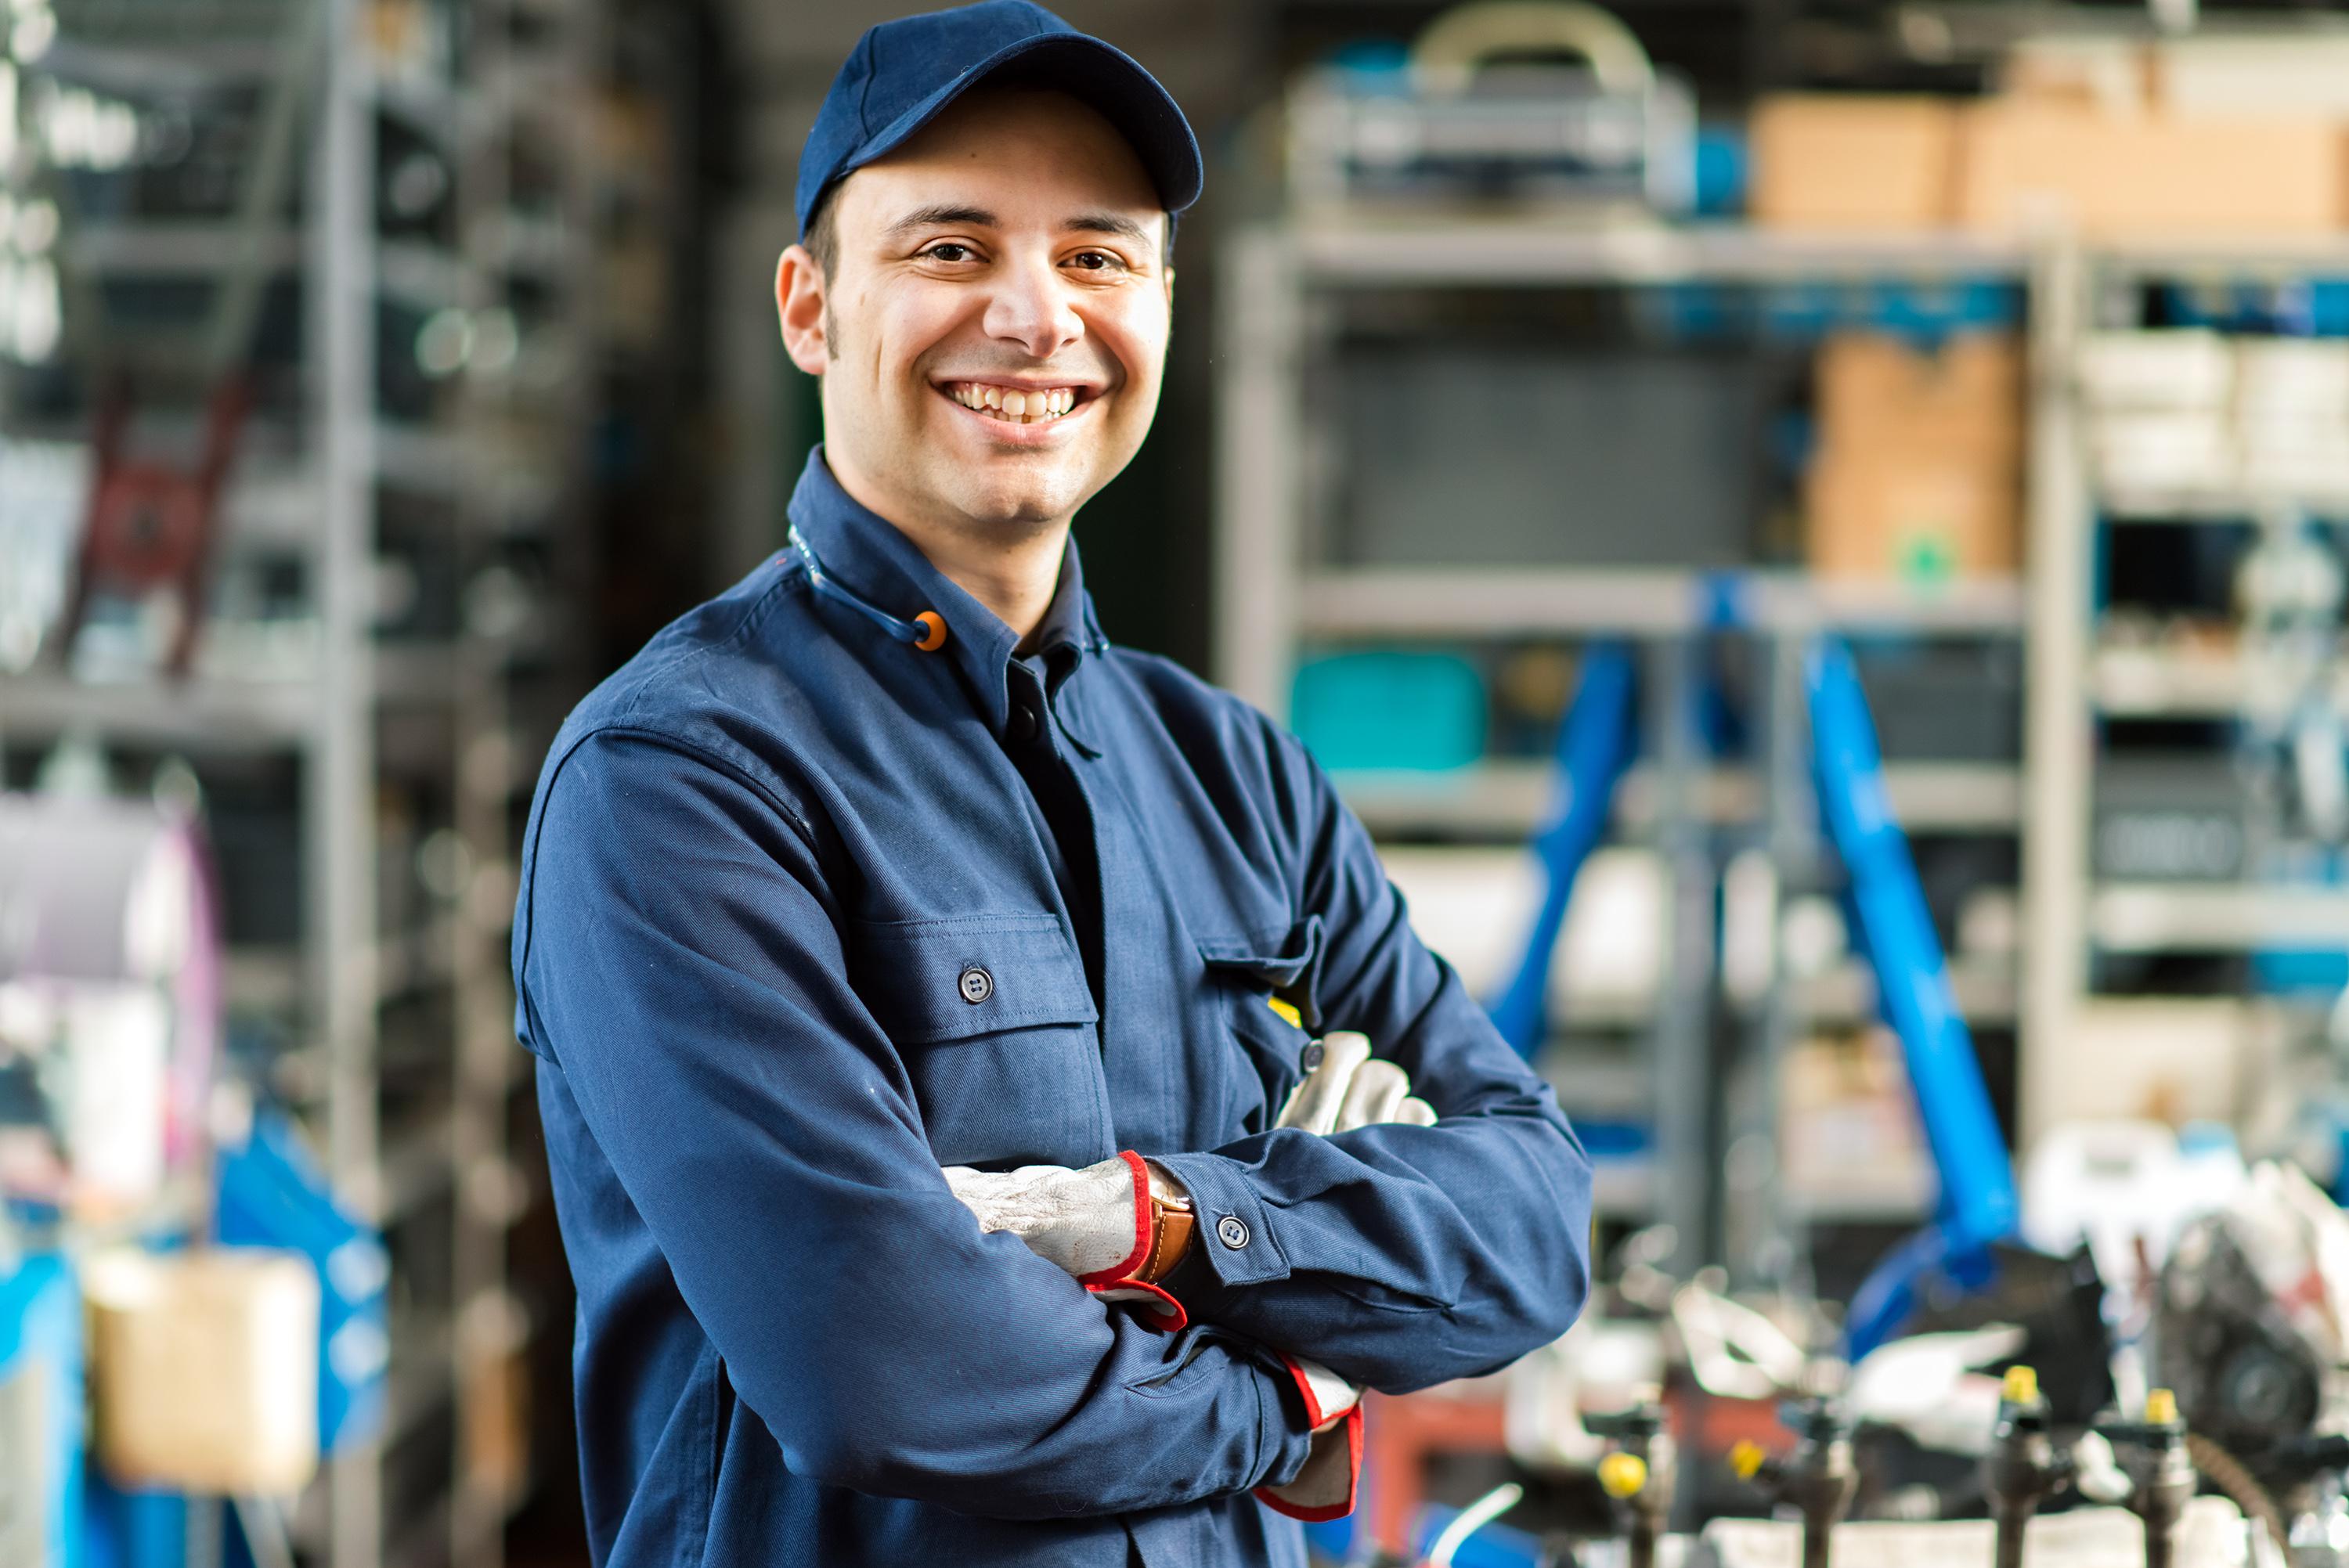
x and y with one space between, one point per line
1171 1238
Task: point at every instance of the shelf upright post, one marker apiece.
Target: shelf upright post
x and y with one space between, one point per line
1687 1181
339 825
2057 721
1764 1239
1258 528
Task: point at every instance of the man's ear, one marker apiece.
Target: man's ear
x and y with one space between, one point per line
799 303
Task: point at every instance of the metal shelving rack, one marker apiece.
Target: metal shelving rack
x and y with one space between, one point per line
2068 912
1270 600
495 467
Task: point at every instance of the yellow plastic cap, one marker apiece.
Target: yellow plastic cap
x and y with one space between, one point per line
1746 1457
2022 1386
2160 1407
1622 1475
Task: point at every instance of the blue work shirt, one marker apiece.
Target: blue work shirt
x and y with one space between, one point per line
765 862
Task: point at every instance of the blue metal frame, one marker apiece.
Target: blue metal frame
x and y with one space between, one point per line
1594 747
1977 1205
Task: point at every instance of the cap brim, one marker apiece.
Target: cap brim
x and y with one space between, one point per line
1097 74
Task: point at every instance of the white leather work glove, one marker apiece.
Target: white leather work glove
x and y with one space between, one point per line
1350 1088
1325 1488
1116 1227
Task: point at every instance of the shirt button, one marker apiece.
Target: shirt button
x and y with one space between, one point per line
976 985
1023 722
1310 1057
1232 1230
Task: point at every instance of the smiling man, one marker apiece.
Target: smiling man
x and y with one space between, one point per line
955 1032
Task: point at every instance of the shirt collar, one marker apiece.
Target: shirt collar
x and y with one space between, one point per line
868 556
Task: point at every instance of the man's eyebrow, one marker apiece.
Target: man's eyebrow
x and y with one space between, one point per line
937 217
1108 223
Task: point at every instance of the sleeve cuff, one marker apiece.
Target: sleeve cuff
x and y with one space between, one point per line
1235 1237
1117 1284
1329 1484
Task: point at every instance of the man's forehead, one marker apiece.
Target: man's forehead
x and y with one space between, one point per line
1021 155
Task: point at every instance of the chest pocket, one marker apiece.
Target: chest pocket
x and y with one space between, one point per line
995 1023
1245 976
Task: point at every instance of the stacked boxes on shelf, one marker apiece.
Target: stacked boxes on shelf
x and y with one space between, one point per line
2110 136
1919 471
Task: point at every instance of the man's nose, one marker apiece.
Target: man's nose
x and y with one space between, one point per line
1032 307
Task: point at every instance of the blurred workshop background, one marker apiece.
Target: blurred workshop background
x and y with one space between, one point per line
1811 532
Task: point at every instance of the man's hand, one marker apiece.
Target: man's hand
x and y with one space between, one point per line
1080 1221
1350 1089
1324 1489
1116 1227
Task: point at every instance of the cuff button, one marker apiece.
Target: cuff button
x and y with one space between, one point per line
1232 1230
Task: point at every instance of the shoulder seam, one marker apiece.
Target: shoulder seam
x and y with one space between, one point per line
661 738
753 616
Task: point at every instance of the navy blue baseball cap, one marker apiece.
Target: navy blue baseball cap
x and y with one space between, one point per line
903 73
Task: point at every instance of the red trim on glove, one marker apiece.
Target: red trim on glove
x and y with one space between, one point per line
1352 1427
1143 1236
1157 1309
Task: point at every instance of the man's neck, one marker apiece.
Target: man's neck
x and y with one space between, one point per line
1013 569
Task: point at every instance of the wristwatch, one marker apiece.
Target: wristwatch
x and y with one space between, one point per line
1171 1224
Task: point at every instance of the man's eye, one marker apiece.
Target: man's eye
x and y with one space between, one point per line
949 251
1095 261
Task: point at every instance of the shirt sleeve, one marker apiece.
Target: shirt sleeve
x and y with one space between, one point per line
1400 1257
682 969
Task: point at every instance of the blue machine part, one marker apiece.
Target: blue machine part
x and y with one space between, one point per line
1977 1204
1418 711
1594 746
41 1365
1493 1546
272 1194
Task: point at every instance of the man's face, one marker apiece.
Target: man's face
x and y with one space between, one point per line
1009 256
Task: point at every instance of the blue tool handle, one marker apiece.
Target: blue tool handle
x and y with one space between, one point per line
1594 746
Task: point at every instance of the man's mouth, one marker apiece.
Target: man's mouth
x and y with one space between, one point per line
1016 405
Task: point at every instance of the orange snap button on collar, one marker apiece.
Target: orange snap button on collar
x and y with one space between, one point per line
934 627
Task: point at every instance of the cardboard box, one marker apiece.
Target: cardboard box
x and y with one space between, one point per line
204 1369
2024 164
1918 474
1832 161
1918 518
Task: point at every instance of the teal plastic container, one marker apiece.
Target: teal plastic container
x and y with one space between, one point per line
1388 710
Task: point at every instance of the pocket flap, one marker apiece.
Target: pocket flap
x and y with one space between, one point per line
933 980
1286 959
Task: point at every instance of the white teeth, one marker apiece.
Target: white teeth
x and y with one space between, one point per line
1012 406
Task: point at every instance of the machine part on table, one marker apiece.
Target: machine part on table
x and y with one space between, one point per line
1929 1386
1818 1480
2248 1377
1471 1520
2213 1533
1640 1475
2319 1537
2024 1466
1733 1351
2162 1471
2228 1474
